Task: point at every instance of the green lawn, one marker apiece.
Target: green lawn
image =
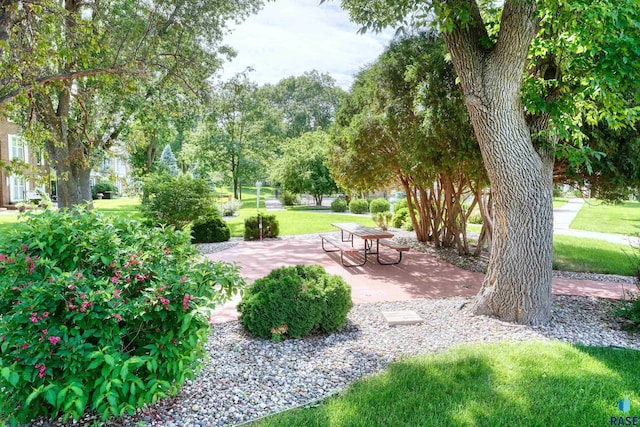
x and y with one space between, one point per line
532 384
294 221
592 256
618 219
559 202
124 208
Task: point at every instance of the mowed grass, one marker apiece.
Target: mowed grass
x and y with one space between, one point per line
606 218
592 256
298 221
532 384
128 208
559 202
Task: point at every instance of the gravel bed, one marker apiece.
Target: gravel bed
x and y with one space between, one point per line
245 378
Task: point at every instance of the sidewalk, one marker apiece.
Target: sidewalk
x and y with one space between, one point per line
563 216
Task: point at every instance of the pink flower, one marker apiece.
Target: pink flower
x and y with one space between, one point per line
166 251
24 346
185 301
183 279
54 340
117 317
114 280
45 314
33 318
42 370
25 247
116 293
72 287
139 277
83 297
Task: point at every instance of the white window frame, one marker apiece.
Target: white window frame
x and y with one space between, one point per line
17 184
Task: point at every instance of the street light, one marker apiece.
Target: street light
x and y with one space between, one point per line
258 185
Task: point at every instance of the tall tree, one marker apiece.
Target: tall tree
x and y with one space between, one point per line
303 166
405 121
120 46
518 144
237 136
308 102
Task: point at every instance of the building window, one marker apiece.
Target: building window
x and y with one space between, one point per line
17 189
17 148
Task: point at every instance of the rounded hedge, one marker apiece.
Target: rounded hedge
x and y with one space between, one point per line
339 205
210 229
379 205
400 217
358 206
295 302
402 203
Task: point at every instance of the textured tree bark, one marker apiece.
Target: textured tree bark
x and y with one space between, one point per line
517 286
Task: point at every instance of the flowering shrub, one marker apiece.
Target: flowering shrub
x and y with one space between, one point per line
99 314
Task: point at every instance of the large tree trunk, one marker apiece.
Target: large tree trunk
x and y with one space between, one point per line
517 286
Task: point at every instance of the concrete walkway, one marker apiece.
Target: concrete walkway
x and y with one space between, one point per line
418 276
563 216
273 204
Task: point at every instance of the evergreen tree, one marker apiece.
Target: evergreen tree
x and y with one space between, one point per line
168 160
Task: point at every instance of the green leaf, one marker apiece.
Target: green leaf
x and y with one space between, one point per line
50 396
35 393
109 359
185 323
14 378
5 372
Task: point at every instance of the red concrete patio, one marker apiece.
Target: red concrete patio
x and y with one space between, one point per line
418 276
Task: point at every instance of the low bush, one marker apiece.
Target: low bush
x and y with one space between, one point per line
102 187
358 206
100 315
475 218
402 203
231 207
294 302
210 229
629 307
379 205
288 198
382 219
400 216
339 205
175 200
270 227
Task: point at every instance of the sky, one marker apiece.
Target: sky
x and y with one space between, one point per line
288 37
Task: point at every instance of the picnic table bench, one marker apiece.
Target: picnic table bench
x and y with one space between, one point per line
347 232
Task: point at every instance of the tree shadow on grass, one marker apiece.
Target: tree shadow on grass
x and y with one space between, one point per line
533 384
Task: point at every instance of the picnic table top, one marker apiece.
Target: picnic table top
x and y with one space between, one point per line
362 231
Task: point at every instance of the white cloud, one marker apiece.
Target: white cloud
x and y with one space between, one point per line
289 37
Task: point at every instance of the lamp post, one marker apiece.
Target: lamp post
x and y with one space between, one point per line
258 185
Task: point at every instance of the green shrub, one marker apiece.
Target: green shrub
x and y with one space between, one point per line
288 198
379 205
358 206
210 229
100 314
400 216
231 207
295 301
339 205
382 219
629 307
557 192
402 203
102 187
270 227
175 200
475 218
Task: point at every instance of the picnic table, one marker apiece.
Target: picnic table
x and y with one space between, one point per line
349 230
